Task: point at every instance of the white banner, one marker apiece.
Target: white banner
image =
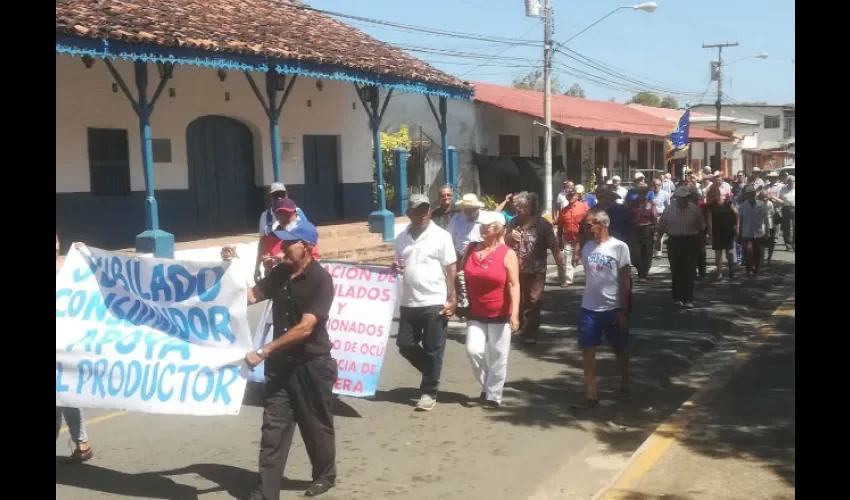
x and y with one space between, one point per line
359 323
150 335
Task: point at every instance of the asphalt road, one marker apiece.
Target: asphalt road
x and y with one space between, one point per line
532 447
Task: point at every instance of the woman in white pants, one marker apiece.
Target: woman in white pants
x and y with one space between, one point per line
492 281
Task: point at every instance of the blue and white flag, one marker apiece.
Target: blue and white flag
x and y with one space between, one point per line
678 140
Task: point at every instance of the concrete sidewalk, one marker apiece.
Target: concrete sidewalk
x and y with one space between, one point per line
735 440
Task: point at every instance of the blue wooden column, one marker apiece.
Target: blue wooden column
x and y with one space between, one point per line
452 167
449 177
382 220
274 83
152 239
400 181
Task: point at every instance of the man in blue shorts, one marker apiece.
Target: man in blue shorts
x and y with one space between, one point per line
605 304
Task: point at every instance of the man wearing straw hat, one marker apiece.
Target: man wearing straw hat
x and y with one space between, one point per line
464 229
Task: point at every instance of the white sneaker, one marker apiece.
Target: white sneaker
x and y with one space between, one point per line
426 403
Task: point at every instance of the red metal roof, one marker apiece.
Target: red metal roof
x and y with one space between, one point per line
666 113
587 114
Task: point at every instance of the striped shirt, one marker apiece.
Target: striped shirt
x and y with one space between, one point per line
677 221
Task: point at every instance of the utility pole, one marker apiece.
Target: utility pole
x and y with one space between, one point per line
718 104
547 107
532 9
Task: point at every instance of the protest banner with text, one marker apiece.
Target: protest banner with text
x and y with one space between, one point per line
150 335
359 324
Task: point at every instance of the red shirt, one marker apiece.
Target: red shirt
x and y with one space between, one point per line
487 284
570 218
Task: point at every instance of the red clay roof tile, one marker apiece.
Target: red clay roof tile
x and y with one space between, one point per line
278 29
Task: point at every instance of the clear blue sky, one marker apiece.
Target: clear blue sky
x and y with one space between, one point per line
663 49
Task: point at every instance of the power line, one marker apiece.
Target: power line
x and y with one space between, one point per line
589 61
508 47
418 29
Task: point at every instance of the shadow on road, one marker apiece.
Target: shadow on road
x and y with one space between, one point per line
664 345
235 481
145 485
409 395
753 418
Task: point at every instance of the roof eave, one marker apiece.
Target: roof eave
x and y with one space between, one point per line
107 49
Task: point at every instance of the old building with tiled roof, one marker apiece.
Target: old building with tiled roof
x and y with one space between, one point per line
214 147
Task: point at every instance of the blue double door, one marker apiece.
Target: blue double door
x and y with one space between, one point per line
222 192
323 190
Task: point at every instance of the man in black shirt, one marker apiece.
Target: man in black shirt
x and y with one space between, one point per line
300 372
443 213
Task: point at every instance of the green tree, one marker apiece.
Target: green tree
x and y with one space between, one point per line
534 81
575 91
646 98
400 139
669 102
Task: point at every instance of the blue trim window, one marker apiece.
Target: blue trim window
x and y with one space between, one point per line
109 162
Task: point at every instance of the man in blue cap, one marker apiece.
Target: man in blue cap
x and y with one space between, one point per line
300 372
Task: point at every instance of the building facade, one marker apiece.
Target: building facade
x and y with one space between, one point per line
211 152
175 128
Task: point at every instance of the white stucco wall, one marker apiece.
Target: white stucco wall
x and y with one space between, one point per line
84 98
757 113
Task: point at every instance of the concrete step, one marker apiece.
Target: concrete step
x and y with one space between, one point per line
364 254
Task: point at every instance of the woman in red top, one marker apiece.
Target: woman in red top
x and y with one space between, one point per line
492 281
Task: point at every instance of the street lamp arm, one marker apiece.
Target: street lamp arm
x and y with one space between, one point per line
648 7
606 16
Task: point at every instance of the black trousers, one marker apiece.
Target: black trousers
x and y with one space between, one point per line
789 225
643 243
425 326
297 393
684 255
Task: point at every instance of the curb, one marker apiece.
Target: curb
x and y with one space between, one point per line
657 444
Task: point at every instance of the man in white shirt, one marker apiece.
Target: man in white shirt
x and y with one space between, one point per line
564 196
788 200
464 229
668 184
662 201
425 257
620 189
605 304
754 226
463 226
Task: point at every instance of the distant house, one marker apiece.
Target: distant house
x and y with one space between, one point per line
215 148
741 133
765 134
